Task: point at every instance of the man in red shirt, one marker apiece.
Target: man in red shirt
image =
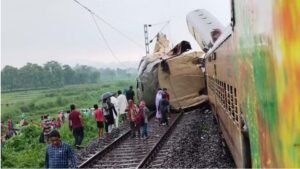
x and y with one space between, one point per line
168 99
76 125
166 93
99 118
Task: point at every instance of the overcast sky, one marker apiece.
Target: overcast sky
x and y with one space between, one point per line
38 31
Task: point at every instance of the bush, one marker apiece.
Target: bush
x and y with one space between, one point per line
31 105
105 86
60 101
25 108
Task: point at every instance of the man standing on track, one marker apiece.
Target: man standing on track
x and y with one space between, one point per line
99 118
122 102
132 112
130 94
76 125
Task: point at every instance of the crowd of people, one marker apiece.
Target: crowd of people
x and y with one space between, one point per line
7 131
112 107
115 109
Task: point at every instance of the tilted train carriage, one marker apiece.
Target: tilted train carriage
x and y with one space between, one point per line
171 69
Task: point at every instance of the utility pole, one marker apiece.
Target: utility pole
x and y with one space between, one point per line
146 38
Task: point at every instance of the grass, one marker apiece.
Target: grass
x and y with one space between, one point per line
24 150
50 101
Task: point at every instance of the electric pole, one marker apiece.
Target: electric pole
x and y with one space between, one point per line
146 38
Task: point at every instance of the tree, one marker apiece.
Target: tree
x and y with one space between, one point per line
54 74
31 76
95 77
84 73
69 75
9 78
108 74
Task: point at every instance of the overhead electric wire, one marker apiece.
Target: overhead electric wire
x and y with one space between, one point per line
111 26
84 7
130 39
105 41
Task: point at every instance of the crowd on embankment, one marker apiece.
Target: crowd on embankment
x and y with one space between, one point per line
115 108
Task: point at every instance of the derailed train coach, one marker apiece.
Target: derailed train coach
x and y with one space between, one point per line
253 79
175 69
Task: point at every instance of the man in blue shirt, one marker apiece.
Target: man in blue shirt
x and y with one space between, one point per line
58 153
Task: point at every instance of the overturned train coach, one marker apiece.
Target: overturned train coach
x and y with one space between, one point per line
253 78
175 69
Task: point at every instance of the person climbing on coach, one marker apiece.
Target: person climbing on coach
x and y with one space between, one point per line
76 125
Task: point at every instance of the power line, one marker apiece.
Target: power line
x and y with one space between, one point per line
105 41
130 39
107 23
84 7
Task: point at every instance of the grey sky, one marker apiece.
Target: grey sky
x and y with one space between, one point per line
38 31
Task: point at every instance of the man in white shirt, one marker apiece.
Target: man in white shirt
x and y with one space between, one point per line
122 103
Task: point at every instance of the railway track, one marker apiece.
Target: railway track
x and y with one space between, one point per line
128 152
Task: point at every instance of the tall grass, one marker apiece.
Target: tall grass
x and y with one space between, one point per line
51 101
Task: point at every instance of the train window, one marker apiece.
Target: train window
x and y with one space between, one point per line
227 96
215 68
231 103
234 92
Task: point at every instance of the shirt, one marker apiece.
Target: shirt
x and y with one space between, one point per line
114 101
122 102
164 106
132 111
10 124
74 118
146 114
105 109
60 157
130 95
98 115
167 96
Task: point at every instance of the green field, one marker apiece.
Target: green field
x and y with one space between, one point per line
39 102
24 150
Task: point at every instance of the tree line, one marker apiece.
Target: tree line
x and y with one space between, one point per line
54 75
